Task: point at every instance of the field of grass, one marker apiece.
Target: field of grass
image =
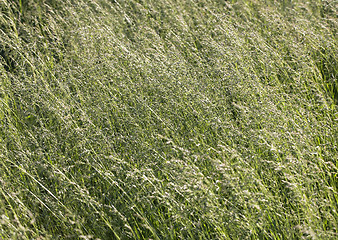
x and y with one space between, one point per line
192 119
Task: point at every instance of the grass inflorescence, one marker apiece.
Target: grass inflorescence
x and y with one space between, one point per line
193 119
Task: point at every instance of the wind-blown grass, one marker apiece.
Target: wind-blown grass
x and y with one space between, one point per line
168 119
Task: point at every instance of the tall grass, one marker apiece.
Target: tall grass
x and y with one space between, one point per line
192 119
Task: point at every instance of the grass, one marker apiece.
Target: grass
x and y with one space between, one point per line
168 119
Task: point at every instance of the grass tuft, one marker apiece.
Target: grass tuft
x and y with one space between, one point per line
168 119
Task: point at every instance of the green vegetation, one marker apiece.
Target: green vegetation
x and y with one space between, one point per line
194 119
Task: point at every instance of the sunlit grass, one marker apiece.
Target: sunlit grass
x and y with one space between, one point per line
168 120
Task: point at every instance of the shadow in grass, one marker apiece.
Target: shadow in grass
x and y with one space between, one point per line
326 63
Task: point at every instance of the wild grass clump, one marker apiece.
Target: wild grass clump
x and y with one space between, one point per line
168 119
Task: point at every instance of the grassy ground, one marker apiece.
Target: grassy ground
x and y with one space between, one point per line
194 119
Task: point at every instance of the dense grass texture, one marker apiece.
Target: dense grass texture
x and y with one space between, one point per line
193 119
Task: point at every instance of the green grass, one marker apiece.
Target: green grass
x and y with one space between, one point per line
194 119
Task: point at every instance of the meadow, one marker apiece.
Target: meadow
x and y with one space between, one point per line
192 119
